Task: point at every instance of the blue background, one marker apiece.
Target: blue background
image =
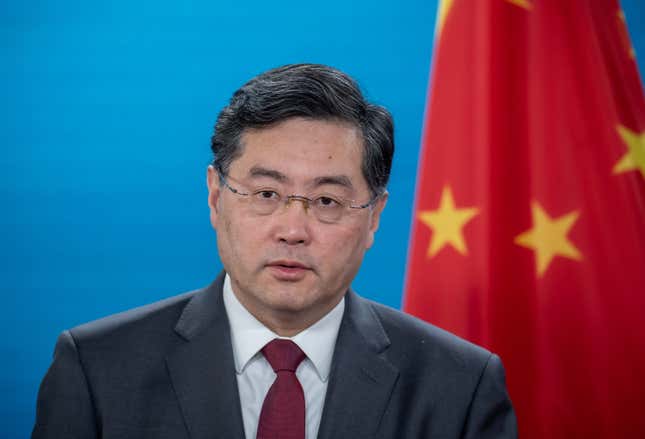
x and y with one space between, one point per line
106 114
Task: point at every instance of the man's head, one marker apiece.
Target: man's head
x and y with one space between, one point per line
302 130
311 91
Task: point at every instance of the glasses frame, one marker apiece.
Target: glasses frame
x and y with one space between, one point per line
306 201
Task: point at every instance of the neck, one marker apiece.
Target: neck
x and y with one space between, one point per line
286 322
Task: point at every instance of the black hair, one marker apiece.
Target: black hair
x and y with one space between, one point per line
312 91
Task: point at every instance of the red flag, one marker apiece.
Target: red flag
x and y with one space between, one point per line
529 226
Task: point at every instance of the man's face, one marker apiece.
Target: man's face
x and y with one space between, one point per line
288 268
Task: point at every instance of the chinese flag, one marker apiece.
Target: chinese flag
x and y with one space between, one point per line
529 225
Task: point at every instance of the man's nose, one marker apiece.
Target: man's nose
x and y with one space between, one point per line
294 222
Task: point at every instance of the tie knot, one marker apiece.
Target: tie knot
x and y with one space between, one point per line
283 355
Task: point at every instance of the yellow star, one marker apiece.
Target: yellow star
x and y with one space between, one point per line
446 223
634 158
548 237
526 4
624 34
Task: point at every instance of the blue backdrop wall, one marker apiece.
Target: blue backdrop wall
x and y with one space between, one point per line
106 112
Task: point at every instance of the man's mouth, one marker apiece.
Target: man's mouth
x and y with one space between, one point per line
288 270
288 264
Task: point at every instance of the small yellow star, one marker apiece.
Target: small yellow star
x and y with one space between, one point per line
624 34
447 223
634 158
444 9
548 237
526 4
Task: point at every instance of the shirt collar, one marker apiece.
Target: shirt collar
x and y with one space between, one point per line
249 335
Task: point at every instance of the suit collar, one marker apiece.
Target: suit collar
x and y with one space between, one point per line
362 379
204 310
202 369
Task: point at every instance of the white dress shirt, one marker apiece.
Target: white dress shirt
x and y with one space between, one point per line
254 374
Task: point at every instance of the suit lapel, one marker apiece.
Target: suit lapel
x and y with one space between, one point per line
202 369
361 379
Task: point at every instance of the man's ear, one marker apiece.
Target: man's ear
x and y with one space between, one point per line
213 185
375 218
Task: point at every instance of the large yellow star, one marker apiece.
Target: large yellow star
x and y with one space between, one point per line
634 158
548 237
447 223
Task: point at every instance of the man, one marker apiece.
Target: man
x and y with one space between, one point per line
279 346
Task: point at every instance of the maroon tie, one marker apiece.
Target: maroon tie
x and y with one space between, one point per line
283 411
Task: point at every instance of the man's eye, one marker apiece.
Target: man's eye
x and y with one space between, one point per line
327 202
267 195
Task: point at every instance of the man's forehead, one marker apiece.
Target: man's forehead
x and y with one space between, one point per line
316 141
341 133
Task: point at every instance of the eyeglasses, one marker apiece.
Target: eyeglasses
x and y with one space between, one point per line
326 207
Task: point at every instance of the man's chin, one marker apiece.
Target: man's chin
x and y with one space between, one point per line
290 297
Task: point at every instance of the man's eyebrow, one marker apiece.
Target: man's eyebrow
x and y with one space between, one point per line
338 180
259 171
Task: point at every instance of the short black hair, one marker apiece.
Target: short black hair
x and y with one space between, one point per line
312 91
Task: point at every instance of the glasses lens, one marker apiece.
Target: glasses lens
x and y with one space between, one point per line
328 209
265 201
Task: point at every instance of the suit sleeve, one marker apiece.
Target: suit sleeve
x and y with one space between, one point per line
64 408
491 413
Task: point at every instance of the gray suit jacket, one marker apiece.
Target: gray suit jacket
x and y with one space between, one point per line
166 371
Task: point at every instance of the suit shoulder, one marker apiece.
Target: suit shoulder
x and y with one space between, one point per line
421 341
162 313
